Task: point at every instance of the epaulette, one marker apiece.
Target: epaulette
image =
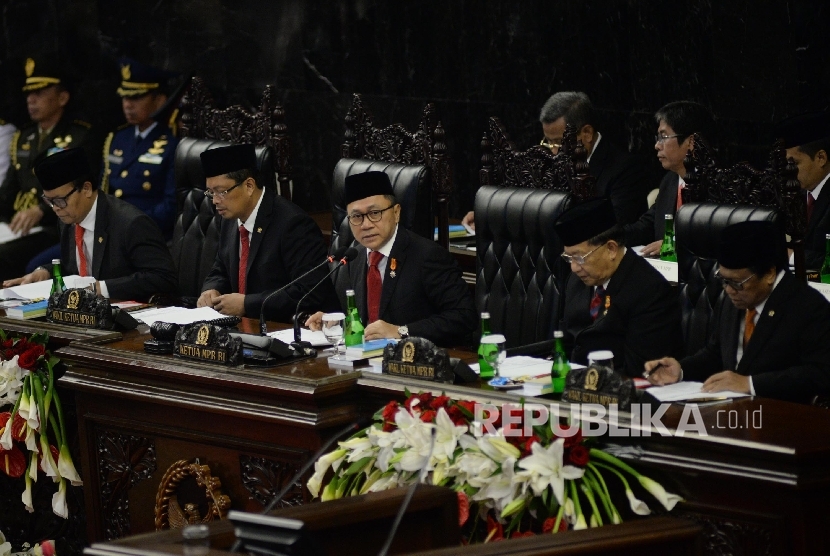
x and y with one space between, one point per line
123 126
83 123
13 147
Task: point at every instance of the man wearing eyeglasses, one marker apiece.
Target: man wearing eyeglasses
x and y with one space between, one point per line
614 300
265 241
404 285
770 332
101 236
676 122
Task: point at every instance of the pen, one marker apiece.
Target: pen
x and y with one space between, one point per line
647 374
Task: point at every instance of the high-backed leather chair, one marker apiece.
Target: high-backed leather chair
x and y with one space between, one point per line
521 275
411 185
394 147
198 223
697 231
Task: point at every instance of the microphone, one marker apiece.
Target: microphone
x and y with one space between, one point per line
298 344
263 329
361 423
408 498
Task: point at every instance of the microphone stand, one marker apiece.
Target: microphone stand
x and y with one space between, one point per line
298 343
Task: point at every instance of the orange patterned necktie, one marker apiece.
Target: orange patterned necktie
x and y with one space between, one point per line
749 325
243 258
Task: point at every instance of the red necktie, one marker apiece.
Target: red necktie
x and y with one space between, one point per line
243 258
679 196
596 302
79 243
810 201
374 286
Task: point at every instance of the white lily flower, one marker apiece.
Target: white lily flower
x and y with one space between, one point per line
593 521
358 448
570 511
547 468
501 487
31 440
321 466
637 506
66 468
385 483
418 441
497 447
580 523
59 501
27 496
5 547
33 468
668 499
11 381
28 411
49 465
447 434
475 468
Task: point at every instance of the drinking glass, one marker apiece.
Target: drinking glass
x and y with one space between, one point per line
495 355
333 330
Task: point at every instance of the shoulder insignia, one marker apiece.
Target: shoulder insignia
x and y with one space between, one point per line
105 177
13 147
123 126
83 124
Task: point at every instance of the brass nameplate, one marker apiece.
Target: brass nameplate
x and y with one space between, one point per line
578 395
202 353
74 318
414 370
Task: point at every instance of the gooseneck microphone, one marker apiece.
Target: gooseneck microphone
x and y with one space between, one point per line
338 254
298 344
352 427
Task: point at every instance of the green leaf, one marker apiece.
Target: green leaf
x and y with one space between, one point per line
357 466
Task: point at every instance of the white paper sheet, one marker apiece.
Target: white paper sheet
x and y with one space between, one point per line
6 233
177 315
42 289
682 391
523 365
316 339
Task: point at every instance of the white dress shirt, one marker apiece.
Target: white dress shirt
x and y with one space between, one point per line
384 250
88 224
250 222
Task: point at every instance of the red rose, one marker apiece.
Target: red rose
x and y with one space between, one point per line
7 344
578 456
390 411
439 402
428 416
573 440
28 360
9 354
388 427
519 534
527 447
547 526
463 508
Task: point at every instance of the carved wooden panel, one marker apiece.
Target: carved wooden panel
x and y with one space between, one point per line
189 494
731 537
123 461
264 478
202 119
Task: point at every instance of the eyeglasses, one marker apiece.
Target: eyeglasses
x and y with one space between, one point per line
221 194
737 286
663 138
58 202
580 259
549 144
372 215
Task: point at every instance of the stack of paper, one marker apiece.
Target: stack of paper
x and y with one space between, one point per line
6 233
316 339
41 290
689 391
177 315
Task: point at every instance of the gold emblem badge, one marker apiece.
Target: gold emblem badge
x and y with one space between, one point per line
771 313
63 142
158 147
125 72
607 304
259 230
408 355
117 152
591 379
30 67
73 300
393 264
204 335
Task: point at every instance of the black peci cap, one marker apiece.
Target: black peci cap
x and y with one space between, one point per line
224 160
584 221
749 244
61 168
367 184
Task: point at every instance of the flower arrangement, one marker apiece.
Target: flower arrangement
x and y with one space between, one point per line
513 484
32 429
46 548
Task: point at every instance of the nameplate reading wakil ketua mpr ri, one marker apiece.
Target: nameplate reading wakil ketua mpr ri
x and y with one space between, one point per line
417 358
79 307
411 369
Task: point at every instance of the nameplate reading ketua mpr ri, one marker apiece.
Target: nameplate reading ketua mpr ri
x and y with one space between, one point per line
193 351
414 370
74 318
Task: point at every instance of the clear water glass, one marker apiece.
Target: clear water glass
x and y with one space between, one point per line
333 330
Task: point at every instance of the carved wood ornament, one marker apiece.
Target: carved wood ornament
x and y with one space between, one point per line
178 506
201 118
264 478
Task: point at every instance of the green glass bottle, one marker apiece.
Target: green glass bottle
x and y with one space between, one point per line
57 278
667 250
561 366
353 334
825 266
485 369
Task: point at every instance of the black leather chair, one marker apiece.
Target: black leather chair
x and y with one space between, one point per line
697 232
521 276
412 186
196 234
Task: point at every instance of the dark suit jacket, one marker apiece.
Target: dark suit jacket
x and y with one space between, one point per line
817 229
285 244
621 178
129 252
652 225
788 355
427 293
641 322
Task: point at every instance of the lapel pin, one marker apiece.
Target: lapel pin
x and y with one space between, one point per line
100 239
259 230
771 313
607 304
393 264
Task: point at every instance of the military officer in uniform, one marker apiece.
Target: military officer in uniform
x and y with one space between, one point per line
138 157
52 130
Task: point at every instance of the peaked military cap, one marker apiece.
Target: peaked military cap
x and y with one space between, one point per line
367 184
42 71
224 160
584 221
61 168
139 79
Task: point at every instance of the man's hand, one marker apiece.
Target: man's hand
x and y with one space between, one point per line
232 304
662 371
727 380
25 220
469 220
38 275
315 321
652 249
380 329
208 298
